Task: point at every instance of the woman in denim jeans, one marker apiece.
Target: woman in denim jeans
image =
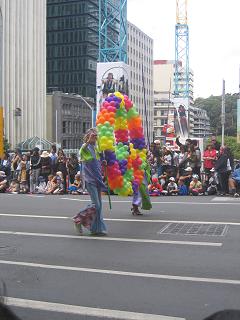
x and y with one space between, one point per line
90 158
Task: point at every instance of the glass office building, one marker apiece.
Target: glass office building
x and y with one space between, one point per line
72 46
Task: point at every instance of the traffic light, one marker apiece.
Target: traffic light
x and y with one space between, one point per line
1 132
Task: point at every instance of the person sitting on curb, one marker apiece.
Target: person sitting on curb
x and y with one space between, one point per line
155 188
212 183
182 188
195 187
172 187
234 183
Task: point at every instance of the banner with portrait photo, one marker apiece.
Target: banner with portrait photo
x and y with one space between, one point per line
238 121
111 77
181 106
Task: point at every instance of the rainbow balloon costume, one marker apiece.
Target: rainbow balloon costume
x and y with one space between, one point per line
122 140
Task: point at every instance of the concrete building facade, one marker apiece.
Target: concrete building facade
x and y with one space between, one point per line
68 119
140 60
23 68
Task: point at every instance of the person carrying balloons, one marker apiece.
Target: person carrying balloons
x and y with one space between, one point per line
121 139
90 158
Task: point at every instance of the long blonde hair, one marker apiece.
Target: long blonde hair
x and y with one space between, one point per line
88 133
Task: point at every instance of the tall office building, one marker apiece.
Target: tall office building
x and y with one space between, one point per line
140 60
72 46
23 68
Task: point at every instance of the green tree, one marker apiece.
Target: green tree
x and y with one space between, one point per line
213 106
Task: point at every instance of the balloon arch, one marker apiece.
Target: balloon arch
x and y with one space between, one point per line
122 140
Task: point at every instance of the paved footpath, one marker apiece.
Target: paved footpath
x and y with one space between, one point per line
179 261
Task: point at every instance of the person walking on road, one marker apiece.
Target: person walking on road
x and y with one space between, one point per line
90 158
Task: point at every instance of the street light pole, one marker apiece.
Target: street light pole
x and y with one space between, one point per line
223 112
238 111
92 108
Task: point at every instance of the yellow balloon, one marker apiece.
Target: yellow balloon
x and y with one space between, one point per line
119 95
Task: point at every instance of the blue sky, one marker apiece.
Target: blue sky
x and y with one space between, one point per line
214 38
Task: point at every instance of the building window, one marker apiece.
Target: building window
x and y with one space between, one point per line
64 144
64 127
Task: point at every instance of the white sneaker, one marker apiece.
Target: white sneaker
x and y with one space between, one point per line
236 195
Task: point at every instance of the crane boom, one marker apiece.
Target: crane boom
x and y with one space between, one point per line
181 78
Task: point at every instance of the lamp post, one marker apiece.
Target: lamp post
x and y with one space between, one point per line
223 113
17 114
91 107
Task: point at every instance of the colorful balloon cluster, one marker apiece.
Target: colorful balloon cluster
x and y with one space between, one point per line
122 140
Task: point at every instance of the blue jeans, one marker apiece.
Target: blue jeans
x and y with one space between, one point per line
98 224
159 170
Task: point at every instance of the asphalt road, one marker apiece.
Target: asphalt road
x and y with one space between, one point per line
141 270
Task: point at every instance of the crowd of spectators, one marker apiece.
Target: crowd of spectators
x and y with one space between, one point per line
192 172
187 171
41 172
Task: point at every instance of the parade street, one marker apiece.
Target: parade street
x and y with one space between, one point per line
179 261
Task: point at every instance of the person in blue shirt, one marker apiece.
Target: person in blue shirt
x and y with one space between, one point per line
234 183
182 188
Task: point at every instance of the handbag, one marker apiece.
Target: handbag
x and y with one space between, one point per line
85 217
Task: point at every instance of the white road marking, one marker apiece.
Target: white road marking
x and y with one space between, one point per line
35 196
85 311
122 273
153 202
152 241
223 199
33 216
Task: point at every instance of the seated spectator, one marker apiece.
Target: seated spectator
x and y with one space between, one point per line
59 186
164 178
76 187
195 187
212 183
234 183
172 188
187 176
182 188
51 185
23 189
59 174
14 186
155 188
3 182
41 188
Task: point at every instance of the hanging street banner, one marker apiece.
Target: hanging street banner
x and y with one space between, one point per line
238 120
181 127
111 77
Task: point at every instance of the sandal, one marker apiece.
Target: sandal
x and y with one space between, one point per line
135 210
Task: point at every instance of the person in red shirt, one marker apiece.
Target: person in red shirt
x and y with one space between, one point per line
209 157
155 189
